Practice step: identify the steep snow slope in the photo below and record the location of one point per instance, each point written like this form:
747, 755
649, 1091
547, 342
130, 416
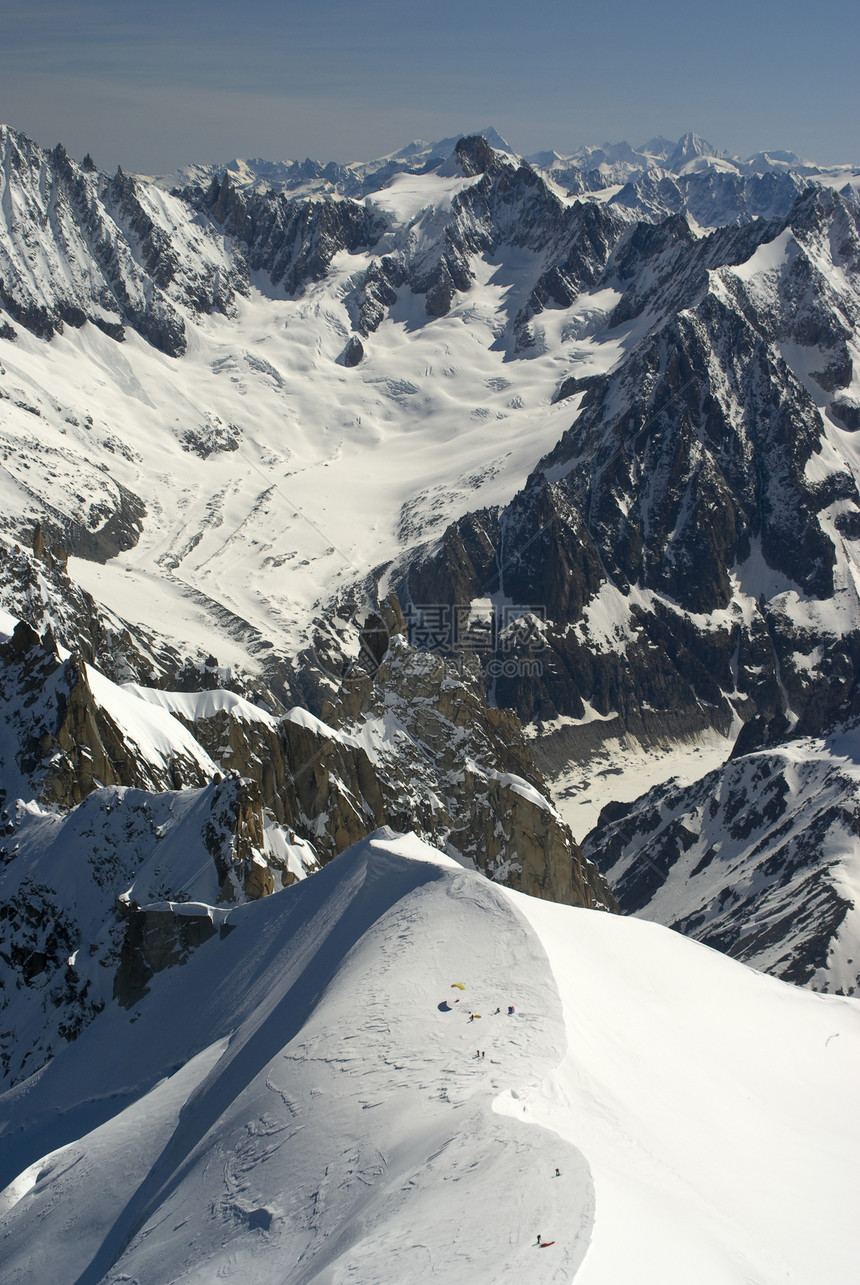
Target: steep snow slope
313, 1109
699, 1092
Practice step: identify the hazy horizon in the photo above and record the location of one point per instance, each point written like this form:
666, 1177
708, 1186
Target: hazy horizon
159, 86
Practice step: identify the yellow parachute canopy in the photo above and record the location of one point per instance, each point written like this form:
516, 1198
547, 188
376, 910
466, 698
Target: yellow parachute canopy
459, 985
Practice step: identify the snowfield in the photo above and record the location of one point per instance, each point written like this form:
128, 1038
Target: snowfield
304, 1102
314, 473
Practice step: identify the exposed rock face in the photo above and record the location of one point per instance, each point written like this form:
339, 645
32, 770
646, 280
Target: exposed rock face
413, 746
448, 767
353, 353
84, 209
756, 859
376, 293
235, 836
494, 806
129, 882
474, 155
157, 938
253, 749
293, 241
696, 465
61, 743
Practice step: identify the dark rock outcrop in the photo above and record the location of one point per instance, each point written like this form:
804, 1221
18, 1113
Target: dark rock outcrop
694, 458
140, 270
749, 860
293, 241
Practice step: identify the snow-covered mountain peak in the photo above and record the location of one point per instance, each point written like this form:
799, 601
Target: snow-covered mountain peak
328, 178
688, 148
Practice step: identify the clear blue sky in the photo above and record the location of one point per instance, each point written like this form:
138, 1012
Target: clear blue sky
151, 84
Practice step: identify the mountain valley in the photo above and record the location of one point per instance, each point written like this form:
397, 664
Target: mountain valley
453, 534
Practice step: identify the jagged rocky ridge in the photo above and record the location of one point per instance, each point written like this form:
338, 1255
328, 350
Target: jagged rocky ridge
112, 231
758, 859
145, 258
649, 182
294, 241
689, 540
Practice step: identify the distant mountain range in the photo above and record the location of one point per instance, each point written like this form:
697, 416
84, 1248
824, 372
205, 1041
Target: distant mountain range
589, 168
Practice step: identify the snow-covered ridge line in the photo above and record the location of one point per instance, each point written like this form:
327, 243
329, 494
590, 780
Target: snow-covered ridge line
329, 1032
599, 167
195, 706
147, 723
